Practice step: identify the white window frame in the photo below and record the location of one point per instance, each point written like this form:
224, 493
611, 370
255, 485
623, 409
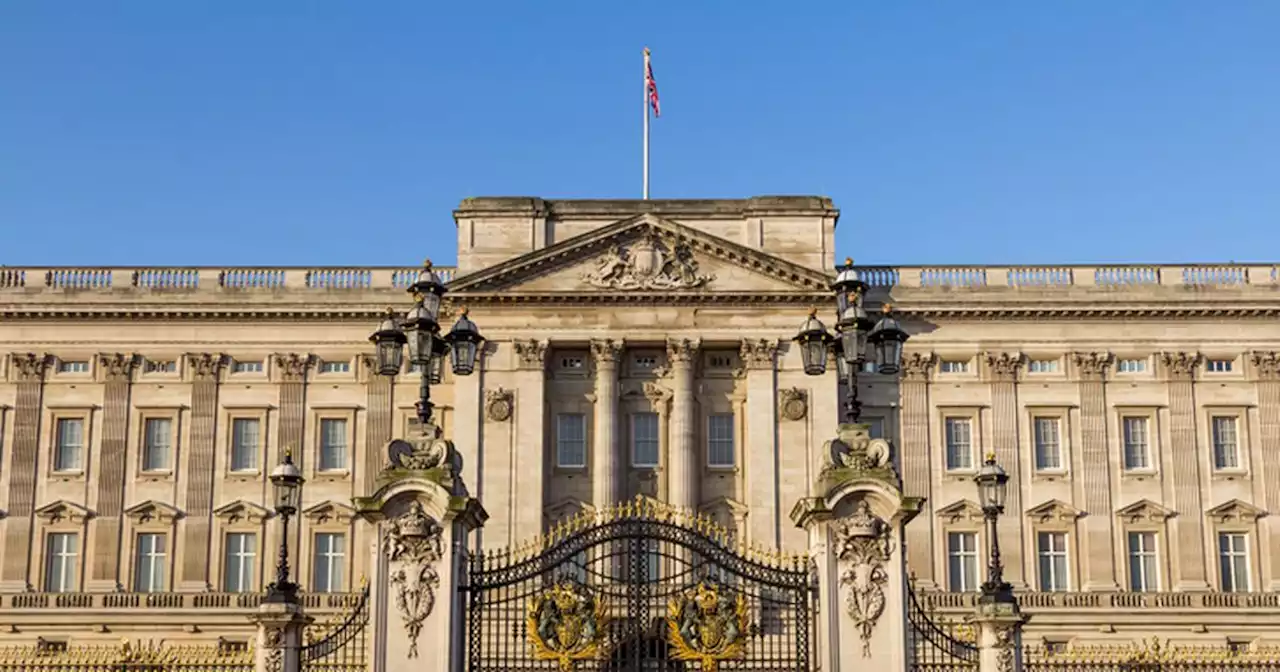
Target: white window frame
323, 458
953, 366
562, 441
1039, 445
1052, 582
148, 448
241, 577
970, 578
639, 422
1131, 365
1147, 557
1043, 366
717, 442
1238, 445
150, 562
334, 366
1219, 365
233, 444
1230, 581
950, 449
61, 566
1150, 433
246, 366
332, 562
73, 366
59, 463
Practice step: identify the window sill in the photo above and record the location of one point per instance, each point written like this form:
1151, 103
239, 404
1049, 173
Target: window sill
246, 475
333, 474
959, 474
1051, 475
156, 475
721, 470
1139, 474
570, 471
1229, 474
67, 474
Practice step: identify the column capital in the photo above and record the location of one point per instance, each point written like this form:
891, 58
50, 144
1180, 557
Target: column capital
1003, 367
918, 366
682, 350
760, 353
531, 354
605, 351
116, 367
1180, 366
27, 367
657, 395
1266, 364
292, 367
206, 366
1092, 366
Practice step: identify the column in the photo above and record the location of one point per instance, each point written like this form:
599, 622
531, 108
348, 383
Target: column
291, 376
1002, 373
116, 372
529, 416
1266, 366
1095, 473
27, 370
205, 371
684, 466
1188, 525
279, 637
914, 455
606, 469
760, 456
378, 427
999, 636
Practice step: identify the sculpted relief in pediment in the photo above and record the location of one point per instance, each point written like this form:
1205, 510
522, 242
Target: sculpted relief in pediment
647, 263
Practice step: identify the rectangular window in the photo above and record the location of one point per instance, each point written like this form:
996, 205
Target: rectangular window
239, 558
720, 452
644, 440
1143, 558
157, 444
571, 440
333, 444
1226, 445
719, 361
953, 366
653, 560
148, 563
1046, 433
69, 449
60, 552
959, 437
1131, 366
645, 362
572, 363
1218, 366
1052, 549
245, 433
335, 367
1043, 366
328, 562
1233, 556
160, 366
73, 367
962, 562
246, 367
1137, 448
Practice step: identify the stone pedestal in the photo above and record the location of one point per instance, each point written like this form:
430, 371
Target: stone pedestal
999, 636
855, 519
280, 629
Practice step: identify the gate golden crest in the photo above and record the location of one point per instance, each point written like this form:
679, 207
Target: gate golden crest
566, 624
708, 624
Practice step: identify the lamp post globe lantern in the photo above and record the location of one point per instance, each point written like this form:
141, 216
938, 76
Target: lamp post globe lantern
389, 341
852, 323
887, 338
464, 341
814, 341
439, 353
286, 489
429, 290
992, 483
420, 331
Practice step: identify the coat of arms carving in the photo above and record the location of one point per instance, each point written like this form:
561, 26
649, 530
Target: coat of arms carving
567, 624
648, 263
708, 624
413, 543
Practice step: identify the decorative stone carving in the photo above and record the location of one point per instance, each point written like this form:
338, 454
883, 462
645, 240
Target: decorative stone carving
605, 351
151, 511
682, 350
1144, 511
292, 367
918, 366
863, 543
498, 404
530, 354
1092, 365
1267, 364
242, 511
758, 354
1235, 511
1003, 366
657, 395
1180, 365
206, 366
648, 263
708, 624
1005, 641
329, 511
793, 403
274, 643
566, 624
28, 367
63, 511
1054, 510
414, 541
961, 511
427, 450
117, 367
855, 449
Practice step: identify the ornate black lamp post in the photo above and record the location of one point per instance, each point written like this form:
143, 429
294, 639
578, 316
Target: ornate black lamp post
286, 487
992, 482
420, 330
855, 331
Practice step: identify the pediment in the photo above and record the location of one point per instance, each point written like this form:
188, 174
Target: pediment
643, 256
963, 510
61, 511
1054, 510
1144, 511
1235, 511
565, 509
242, 511
329, 511
725, 512
152, 511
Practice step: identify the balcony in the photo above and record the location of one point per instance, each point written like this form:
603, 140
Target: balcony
1034, 602
16, 603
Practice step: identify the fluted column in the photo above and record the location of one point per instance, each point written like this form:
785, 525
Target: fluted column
606, 466
684, 472
290, 371
205, 371
1002, 372
378, 425
1266, 366
760, 457
529, 426
917, 476
27, 370
116, 372
1188, 537
1099, 568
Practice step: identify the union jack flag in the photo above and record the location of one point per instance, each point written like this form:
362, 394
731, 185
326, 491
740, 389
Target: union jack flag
651, 84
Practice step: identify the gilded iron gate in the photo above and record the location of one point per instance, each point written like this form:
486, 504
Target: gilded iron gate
339, 648
640, 587
936, 646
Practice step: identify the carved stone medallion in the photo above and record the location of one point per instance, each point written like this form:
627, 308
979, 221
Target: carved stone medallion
708, 624
413, 545
566, 624
793, 403
863, 545
426, 450
648, 263
498, 404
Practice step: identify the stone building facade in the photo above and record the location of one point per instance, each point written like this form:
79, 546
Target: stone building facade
642, 348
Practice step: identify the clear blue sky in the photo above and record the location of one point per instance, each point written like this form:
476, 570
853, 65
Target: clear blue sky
226, 132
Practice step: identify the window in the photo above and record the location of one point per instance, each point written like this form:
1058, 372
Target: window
720, 440
1143, 556
1048, 443
333, 444
68, 452
327, 562
157, 444
644, 440
1226, 447
1043, 366
73, 366
571, 440
962, 562
959, 437
245, 434
573, 362
60, 552
335, 367
1137, 451
148, 563
246, 367
717, 360
1052, 549
953, 366
1233, 556
1131, 366
1218, 366
653, 560
160, 366
239, 557
645, 362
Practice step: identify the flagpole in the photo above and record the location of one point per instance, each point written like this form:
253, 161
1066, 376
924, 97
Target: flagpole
645, 102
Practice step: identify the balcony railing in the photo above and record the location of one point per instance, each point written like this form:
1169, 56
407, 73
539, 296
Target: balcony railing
166, 601
1039, 601
159, 278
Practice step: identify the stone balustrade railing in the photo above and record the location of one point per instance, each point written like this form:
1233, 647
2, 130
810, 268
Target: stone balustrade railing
1043, 601
167, 601
386, 277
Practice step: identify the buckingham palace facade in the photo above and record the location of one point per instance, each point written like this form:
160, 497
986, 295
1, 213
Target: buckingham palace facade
642, 348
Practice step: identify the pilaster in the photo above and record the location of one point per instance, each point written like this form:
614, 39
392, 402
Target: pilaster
917, 478
279, 638
685, 467
291, 371
1095, 472
1002, 374
378, 427
606, 476
530, 418
116, 372
999, 636
205, 371
1266, 367
28, 371
1184, 460
760, 455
